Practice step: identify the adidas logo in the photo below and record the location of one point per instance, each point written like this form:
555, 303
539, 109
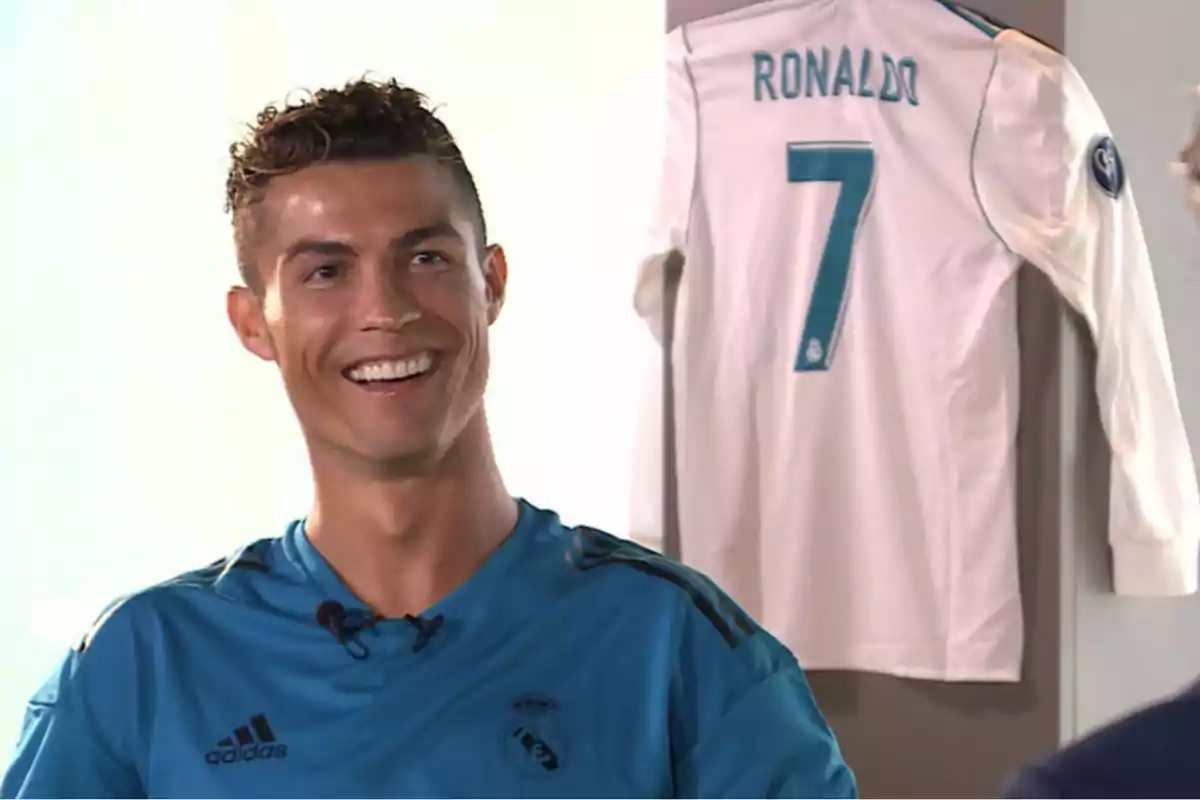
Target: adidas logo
248, 743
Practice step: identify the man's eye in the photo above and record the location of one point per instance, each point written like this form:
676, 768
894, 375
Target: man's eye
430, 258
325, 272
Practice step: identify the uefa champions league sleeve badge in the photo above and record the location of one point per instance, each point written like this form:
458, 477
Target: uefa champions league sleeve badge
1108, 171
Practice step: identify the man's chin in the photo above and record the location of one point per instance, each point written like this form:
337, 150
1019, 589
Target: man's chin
379, 445
402, 458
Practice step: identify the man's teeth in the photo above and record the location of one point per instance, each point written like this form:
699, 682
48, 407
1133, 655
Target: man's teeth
392, 370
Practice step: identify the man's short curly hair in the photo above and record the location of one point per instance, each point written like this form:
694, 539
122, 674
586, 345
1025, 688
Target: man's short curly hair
363, 120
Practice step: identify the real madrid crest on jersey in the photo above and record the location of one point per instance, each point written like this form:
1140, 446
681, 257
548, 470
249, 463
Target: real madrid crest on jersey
534, 741
1107, 169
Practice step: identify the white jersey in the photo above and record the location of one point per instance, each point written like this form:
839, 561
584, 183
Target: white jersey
854, 184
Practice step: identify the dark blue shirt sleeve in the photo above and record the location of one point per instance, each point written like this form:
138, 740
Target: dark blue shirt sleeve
744, 720
1032, 782
79, 726
1150, 752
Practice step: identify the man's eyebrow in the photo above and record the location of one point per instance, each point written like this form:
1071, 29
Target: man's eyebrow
438, 230
316, 247
331, 247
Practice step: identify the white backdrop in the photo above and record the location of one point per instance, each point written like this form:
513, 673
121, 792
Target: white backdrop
138, 440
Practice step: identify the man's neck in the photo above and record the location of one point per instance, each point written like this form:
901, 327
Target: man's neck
401, 545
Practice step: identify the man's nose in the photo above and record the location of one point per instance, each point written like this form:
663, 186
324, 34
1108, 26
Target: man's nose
385, 300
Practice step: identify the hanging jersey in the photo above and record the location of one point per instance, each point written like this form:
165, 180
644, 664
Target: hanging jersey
854, 184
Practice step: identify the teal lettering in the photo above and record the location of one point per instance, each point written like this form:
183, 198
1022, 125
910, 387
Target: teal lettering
764, 68
806, 72
864, 76
845, 73
891, 81
816, 71
908, 80
789, 80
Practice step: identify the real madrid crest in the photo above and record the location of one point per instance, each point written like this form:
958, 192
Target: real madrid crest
534, 740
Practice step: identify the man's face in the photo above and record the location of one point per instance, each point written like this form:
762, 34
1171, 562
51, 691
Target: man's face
374, 304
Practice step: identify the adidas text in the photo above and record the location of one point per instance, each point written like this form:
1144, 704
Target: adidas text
252, 752
253, 742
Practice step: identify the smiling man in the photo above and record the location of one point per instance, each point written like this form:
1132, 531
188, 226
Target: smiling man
420, 632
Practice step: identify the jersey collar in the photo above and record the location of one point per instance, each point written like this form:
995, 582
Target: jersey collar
462, 600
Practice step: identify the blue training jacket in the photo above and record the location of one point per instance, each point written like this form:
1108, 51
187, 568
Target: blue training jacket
572, 664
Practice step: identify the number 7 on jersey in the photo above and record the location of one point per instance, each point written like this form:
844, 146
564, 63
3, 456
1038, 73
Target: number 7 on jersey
852, 166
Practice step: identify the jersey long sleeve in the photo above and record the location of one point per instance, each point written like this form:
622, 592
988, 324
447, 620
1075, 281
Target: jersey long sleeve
667, 240
1051, 182
669, 228
80, 726
646, 490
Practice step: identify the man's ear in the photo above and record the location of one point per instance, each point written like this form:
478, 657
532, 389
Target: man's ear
495, 276
245, 312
